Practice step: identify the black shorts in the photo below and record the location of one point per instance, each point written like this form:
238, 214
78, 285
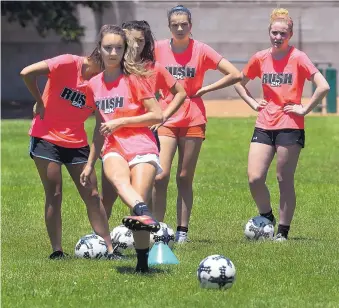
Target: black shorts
46, 150
282, 137
156, 136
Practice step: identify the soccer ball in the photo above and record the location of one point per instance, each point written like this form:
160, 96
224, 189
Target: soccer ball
91, 246
122, 238
216, 272
165, 235
259, 228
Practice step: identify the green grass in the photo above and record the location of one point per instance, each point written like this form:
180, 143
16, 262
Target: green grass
302, 272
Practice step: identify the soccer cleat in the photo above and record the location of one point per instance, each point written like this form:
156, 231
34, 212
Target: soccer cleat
116, 255
280, 238
58, 255
181, 237
141, 223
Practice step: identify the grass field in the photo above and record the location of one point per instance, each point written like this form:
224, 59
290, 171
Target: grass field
302, 272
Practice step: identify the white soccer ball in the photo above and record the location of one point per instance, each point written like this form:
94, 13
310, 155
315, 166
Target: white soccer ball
259, 228
122, 238
91, 246
216, 272
165, 235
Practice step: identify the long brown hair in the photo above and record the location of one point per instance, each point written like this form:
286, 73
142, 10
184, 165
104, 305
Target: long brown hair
141, 25
128, 63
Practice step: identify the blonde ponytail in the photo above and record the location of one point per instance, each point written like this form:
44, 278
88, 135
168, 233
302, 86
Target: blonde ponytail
282, 15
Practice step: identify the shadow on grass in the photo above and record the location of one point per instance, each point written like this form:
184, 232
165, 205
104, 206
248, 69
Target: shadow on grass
129, 270
303, 239
203, 241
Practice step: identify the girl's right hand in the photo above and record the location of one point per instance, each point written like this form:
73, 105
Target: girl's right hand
261, 105
39, 108
85, 176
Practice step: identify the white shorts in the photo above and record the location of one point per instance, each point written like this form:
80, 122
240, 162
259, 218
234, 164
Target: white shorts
146, 158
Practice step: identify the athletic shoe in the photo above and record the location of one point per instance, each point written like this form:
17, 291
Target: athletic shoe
280, 238
141, 223
58, 255
181, 237
116, 255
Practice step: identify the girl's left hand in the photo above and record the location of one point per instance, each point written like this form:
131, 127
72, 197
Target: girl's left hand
295, 108
109, 127
85, 176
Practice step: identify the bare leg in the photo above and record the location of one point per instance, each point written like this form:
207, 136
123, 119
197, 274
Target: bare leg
95, 210
117, 171
260, 157
142, 181
51, 178
189, 149
159, 195
287, 160
109, 194
133, 186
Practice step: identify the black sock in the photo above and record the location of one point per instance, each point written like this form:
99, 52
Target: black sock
269, 215
142, 257
182, 229
141, 209
283, 230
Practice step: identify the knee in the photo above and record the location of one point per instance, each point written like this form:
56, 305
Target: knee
255, 178
184, 180
91, 195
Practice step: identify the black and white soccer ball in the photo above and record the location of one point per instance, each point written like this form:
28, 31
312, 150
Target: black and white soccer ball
91, 246
216, 272
165, 235
259, 228
122, 238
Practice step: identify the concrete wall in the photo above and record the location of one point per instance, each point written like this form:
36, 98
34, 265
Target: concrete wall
236, 29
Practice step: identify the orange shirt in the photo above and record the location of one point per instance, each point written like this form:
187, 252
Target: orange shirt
282, 83
161, 80
122, 98
64, 99
189, 69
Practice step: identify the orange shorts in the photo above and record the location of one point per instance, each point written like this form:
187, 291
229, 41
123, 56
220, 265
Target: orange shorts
179, 132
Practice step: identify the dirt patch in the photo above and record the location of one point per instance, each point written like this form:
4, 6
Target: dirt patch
238, 108
228, 108
214, 108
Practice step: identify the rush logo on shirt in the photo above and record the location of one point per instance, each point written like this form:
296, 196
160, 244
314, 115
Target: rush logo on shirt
76, 98
181, 72
108, 105
276, 80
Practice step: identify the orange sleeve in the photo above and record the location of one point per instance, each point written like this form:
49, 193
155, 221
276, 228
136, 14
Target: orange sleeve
165, 80
60, 62
252, 68
306, 67
211, 58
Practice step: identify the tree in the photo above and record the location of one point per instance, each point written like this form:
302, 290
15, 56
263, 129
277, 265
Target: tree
59, 16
